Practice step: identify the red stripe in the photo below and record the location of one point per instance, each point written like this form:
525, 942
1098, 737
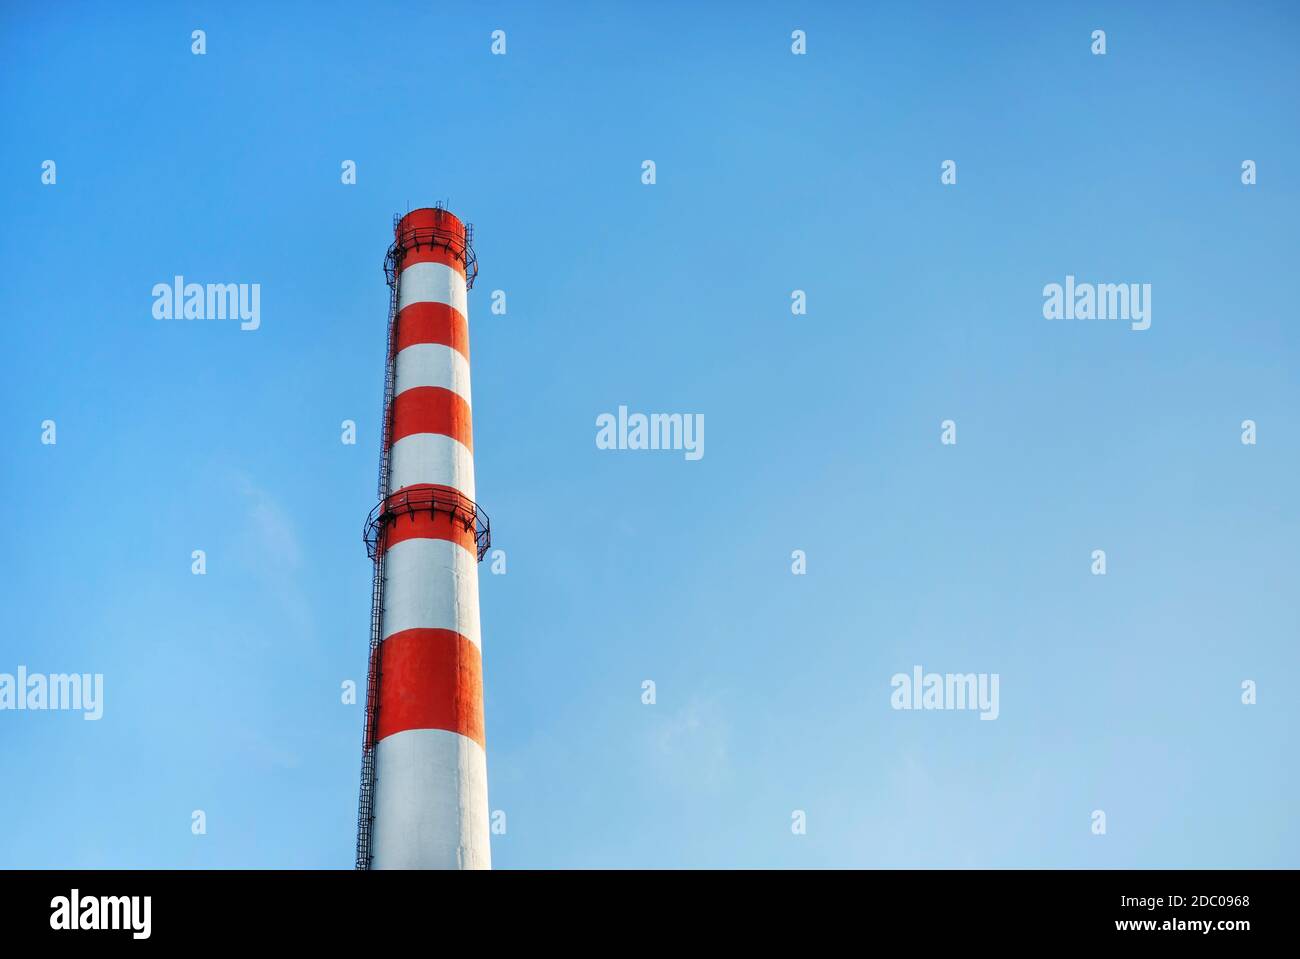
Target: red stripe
432, 323
432, 254
432, 409
427, 234
431, 679
431, 218
427, 524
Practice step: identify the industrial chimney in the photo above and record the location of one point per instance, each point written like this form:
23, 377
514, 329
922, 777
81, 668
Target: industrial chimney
424, 770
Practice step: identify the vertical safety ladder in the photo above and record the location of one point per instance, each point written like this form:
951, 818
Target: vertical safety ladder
366, 807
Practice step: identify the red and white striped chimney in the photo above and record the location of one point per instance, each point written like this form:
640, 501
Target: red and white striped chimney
424, 731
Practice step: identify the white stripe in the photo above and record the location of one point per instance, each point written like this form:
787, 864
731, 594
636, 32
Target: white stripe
432, 364
431, 584
432, 283
431, 458
431, 802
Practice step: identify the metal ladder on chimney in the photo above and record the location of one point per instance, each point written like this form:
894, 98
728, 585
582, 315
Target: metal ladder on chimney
366, 807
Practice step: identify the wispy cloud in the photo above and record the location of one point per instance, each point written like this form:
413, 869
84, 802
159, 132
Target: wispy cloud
275, 540
269, 547
690, 744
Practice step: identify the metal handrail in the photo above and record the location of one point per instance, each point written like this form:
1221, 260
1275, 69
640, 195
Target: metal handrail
462, 248
432, 498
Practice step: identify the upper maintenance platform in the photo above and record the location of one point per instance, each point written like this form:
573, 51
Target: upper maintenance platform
431, 234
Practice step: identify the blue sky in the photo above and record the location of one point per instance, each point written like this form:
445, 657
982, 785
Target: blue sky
775, 172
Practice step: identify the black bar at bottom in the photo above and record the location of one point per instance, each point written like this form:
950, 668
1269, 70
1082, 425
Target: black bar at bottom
975, 908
